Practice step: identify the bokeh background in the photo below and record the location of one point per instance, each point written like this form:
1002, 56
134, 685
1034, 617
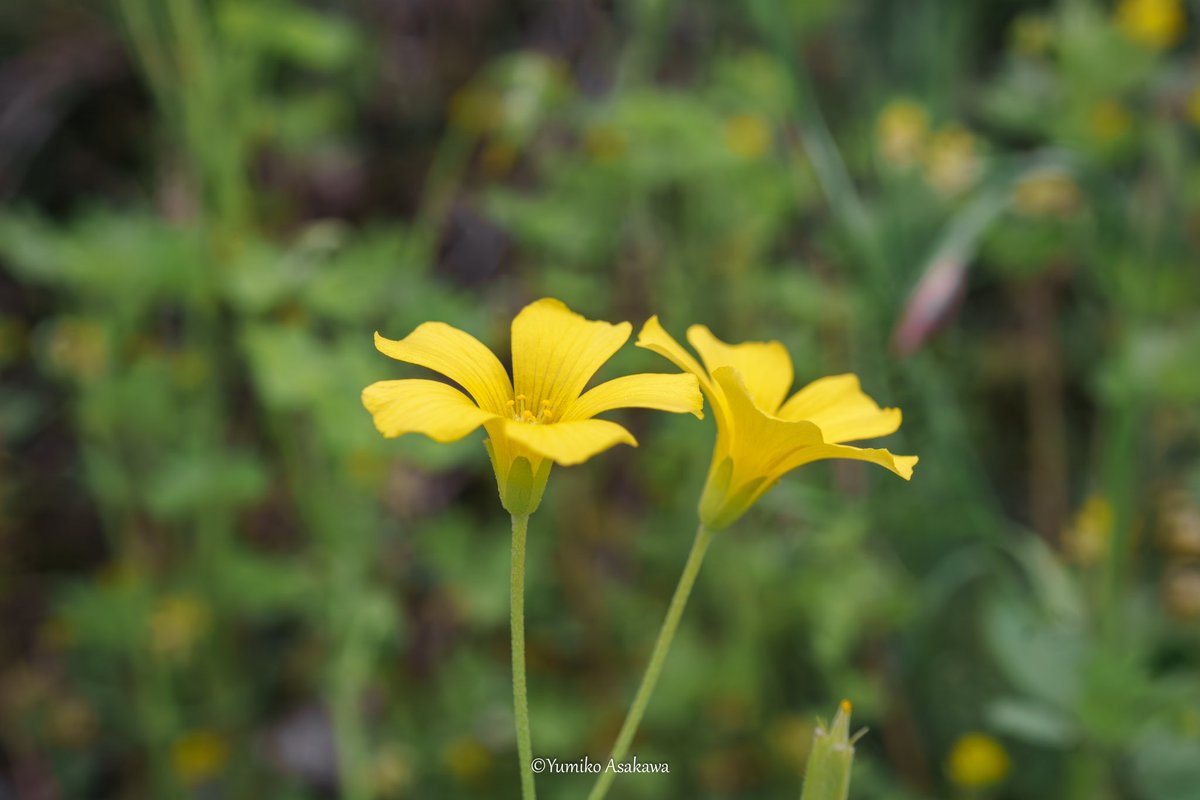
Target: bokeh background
216, 578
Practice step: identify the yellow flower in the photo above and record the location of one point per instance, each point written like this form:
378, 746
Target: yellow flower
1086, 540
177, 624
1157, 24
952, 163
468, 759
1049, 192
748, 136
977, 760
901, 133
199, 756
759, 436
539, 418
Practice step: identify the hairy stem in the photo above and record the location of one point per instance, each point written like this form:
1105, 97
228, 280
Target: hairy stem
657, 658
520, 524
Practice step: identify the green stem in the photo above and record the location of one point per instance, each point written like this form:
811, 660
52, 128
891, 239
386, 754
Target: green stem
350, 670
661, 647
520, 524
349, 738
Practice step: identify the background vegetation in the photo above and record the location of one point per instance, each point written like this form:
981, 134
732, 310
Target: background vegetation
215, 576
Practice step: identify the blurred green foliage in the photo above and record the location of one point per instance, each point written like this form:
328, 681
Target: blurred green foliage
218, 580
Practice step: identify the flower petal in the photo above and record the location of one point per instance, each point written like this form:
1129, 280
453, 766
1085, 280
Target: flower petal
678, 393
901, 465
653, 337
766, 367
435, 409
556, 352
459, 356
568, 443
760, 441
839, 407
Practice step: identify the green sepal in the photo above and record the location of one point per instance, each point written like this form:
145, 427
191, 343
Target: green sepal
521, 488
718, 508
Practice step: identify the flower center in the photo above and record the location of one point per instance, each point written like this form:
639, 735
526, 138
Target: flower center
521, 410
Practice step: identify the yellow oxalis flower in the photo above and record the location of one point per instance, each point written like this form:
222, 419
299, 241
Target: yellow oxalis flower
1086, 540
199, 756
952, 162
901, 132
976, 761
541, 417
1157, 24
748, 136
759, 435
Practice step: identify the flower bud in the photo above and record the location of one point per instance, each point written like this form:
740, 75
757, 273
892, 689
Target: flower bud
828, 774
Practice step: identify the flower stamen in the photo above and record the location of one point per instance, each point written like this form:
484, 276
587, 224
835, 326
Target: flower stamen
517, 408
521, 412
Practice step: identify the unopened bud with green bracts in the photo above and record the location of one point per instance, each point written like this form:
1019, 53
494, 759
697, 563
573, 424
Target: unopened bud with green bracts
827, 776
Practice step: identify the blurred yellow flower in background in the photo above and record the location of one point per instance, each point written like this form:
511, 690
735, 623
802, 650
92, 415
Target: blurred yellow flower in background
1181, 590
177, 624
1086, 540
1179, 538
952, 162
71, 721
1032, 35
541, 417
199, 756
392, 770
1193, 107
790, 740
1048, 192
760, 437
605, 143
748, 136
976, 761
121, 573
476, 110
467, 759
77, 347
1157, 24
1179, 524
901, 132
1109, 121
